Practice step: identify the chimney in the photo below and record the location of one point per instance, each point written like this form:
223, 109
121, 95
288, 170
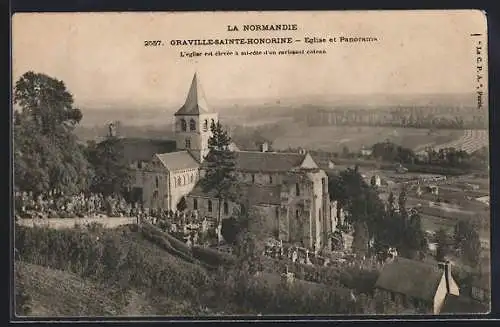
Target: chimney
112, 129
446, 267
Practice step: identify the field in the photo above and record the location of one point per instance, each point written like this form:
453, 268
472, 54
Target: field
334, 138
284, 132
471, 141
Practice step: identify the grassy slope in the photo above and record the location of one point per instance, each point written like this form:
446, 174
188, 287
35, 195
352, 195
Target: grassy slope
63, 293
60, 293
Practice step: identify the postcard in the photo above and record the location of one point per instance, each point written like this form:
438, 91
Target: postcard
200, 164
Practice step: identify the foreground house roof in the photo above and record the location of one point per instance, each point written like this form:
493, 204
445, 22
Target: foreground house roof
410, 277
462, 305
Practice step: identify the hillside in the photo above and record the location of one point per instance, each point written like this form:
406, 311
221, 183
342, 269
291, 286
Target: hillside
105, 272
60, 293
132, 271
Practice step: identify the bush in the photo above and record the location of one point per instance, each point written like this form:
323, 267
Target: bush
178, 245
111, 257
163, 241
259, 295
213, 257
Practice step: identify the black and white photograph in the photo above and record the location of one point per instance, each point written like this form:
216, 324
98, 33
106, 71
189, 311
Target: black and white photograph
213, 164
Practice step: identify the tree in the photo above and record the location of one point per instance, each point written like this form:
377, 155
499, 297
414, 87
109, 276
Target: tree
402, 206
112, 173
360, 239
47, 155
390, 203
182, 205
467, 240
337, 191
360, 200
230, 230
219, 178
416, 242
47, 103
386, 234
443, 245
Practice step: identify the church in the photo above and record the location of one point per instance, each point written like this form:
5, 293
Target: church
290, 189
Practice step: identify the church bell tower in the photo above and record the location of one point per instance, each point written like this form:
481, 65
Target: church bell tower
193, 121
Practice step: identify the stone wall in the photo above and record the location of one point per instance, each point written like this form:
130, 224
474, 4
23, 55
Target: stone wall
62, 223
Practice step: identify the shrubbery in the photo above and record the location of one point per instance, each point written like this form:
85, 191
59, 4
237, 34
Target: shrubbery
256, 294
110, 257
166, 242
359, 279
119, 258
213, 257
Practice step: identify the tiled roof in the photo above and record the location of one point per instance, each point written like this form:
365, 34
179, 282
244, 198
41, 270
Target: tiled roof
195, 101
178, 160
462, 305
141, 149
267, 161
322, 159
256, 194
410, 277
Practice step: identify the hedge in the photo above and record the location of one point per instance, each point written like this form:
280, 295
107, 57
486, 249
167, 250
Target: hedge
213, 257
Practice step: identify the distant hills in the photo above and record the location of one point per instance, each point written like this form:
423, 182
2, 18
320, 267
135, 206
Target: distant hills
159, 115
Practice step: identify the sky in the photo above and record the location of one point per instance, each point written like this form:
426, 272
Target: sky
102, 59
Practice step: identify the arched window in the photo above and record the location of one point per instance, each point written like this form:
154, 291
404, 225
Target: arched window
226, 208
157, 181
253, 178
195, 204
297, 189
205, 125
209, 205
179, 182
212, 123
184, 179
191, 178
192, 125
270, 179
183, 125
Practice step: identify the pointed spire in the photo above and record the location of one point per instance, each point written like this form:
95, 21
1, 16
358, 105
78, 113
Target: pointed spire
195, 101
